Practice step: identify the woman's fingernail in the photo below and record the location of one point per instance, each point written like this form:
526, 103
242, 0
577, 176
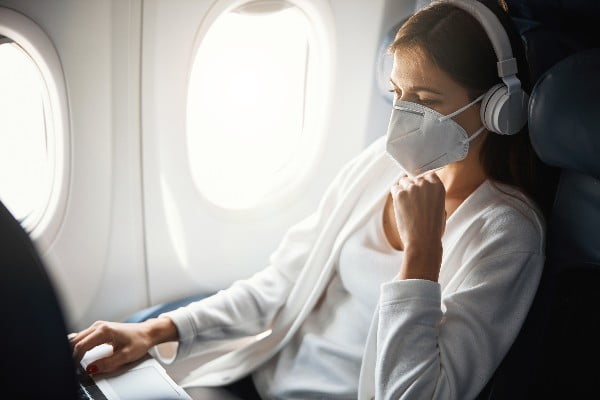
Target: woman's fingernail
91, 369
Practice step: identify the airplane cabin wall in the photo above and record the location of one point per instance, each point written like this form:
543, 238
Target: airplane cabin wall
136, 231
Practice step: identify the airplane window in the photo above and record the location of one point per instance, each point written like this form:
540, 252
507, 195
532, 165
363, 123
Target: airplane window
25, 173
246, 111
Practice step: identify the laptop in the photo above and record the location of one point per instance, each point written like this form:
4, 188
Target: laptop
145, 379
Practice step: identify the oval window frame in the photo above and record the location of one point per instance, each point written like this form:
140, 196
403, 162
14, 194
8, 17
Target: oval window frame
24, 32
319, 91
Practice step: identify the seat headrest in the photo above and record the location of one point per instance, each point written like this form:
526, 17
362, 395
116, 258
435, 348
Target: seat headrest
563, 114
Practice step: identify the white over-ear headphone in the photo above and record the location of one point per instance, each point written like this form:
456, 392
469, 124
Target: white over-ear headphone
504, 106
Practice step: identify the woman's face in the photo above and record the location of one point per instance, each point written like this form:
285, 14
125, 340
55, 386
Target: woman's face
417, 79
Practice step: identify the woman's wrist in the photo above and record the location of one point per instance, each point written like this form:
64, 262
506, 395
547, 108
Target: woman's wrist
160, 330
421, 261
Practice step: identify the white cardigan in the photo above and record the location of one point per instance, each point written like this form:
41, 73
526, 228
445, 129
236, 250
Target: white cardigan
438, 340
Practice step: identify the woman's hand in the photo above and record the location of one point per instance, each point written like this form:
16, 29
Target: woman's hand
419, 207
130, 341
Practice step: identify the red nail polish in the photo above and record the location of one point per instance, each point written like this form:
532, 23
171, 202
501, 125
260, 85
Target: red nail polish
91, 369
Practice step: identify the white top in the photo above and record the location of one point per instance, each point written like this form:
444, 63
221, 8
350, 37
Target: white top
323, 358
438, 340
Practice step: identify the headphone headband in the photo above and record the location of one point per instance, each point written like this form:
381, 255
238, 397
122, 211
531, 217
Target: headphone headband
507, 64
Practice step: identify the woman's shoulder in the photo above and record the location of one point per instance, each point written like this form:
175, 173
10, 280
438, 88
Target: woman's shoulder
511, 200
507, 214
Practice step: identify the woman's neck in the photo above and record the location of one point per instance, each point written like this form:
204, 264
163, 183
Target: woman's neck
461, 179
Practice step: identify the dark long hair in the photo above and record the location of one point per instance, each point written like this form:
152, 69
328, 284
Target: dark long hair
457, 43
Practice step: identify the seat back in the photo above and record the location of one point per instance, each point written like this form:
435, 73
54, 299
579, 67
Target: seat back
35, 360
559, 338
566, 133
552, 31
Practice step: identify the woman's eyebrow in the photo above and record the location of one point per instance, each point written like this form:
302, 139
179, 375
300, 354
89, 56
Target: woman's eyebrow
419, 88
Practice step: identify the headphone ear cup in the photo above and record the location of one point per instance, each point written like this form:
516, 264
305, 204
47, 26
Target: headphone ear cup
503, 113
491, 102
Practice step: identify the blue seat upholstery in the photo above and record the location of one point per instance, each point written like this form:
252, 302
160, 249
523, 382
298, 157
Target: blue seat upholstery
557, 349
36, 360
538, 364
566, 134
155, 311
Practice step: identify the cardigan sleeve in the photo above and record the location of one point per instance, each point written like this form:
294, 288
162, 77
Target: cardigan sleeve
248, 306
425, 352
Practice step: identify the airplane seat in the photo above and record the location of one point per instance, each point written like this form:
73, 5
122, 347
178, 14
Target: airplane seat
557, 350
565, 133
36, 357
551, 32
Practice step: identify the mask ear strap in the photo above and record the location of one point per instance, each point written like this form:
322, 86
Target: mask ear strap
455, 113
477, 133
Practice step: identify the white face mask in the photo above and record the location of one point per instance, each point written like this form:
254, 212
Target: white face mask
421, 139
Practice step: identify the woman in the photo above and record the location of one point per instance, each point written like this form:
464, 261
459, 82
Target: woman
416, 291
